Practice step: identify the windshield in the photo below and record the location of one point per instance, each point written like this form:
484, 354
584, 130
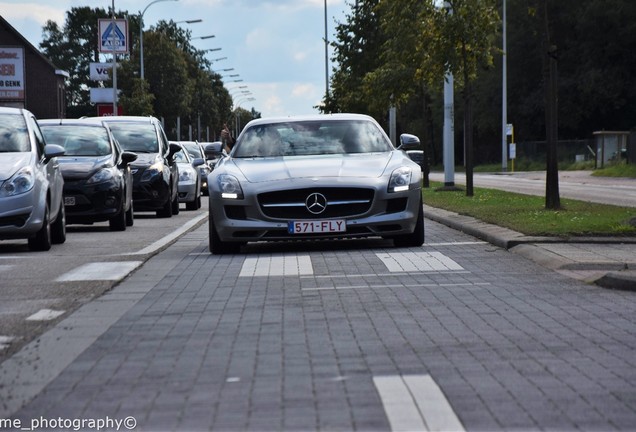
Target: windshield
181, 157
193, 149
78, 140
14, 136
312, 138
136, 137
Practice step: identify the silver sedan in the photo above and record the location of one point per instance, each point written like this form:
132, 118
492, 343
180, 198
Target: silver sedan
315, 177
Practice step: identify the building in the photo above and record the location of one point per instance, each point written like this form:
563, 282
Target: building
27, 78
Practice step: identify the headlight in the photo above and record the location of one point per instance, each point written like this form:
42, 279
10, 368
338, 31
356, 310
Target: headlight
21, 182
102, 176
230, 187
400, 180
152, 171
187, 175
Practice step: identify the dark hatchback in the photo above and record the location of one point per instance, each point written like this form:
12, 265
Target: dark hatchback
155, 172
97, 175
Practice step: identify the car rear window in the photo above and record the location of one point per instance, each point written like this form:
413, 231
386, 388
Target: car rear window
14, 136
136, 137
78, 140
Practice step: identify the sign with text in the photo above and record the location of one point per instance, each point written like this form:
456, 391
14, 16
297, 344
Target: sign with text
12, 73
113, 36
100, 71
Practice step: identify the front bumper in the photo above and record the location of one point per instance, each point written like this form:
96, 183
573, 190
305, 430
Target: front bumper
21, 216
388, 215
88, 204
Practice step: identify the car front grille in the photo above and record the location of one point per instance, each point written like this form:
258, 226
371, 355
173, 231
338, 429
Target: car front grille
331, 203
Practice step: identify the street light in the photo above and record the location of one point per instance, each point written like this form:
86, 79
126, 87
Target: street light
204, 37
219, 59
189, 21
223, 70
212, 49
141, 36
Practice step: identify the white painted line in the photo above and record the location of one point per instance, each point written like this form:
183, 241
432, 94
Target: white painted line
416, 403
277, 265
399, 407
437, 412
170, 237
45, 315
100, 271
417, 262
5, 267
430, 285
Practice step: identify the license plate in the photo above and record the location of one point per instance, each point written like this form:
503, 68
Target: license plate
317, 226
69, 200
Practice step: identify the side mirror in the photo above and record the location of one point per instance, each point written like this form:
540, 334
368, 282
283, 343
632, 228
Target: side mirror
128, 157
174, 148
213, 150
198, 162
409, 142
53, 150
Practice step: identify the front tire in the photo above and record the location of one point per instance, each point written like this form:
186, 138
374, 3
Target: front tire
118, 223
415, 239
58, 229
166, 210
130, 216
41, 241
218, 246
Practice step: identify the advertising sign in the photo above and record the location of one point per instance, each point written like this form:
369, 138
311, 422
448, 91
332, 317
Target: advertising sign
12, 73
100, 71
113, 37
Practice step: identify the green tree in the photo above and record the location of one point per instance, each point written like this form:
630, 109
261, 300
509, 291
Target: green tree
73, 48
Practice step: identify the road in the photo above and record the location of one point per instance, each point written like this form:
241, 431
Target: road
350, 335
580, 185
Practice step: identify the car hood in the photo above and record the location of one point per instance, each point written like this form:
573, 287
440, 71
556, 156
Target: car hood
81, 166
370, 165
11, 162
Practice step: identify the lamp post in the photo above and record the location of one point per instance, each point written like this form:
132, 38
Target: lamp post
141, 36
204, 37
189, 21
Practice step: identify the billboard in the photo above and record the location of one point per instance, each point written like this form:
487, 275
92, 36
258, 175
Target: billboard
12, 73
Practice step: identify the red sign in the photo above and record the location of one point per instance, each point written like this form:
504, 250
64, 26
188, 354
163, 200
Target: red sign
107, 110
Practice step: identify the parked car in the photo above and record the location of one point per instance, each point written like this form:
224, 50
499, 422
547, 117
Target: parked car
155, 172
213, 158
31, 182
189, 183
195, 149
98, 183
315, 177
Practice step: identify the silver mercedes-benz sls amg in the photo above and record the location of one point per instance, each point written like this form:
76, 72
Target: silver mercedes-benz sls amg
315, 177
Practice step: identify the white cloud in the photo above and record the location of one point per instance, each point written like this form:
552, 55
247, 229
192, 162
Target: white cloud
33, 11
304, 90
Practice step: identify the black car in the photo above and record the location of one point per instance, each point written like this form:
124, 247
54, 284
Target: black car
98, 181
155, 172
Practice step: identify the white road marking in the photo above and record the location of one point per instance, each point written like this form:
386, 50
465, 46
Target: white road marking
415, 403
277, 265
45, 315
170, 237
5, 267
418, 262
100, 271
349, 287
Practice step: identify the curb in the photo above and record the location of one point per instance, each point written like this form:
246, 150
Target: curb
618, 276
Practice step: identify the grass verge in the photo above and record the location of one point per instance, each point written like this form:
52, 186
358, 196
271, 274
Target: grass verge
527, 213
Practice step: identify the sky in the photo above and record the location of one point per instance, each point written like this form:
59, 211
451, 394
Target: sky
276, 46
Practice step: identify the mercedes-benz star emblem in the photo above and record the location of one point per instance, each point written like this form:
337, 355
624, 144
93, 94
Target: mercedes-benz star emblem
316, 203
